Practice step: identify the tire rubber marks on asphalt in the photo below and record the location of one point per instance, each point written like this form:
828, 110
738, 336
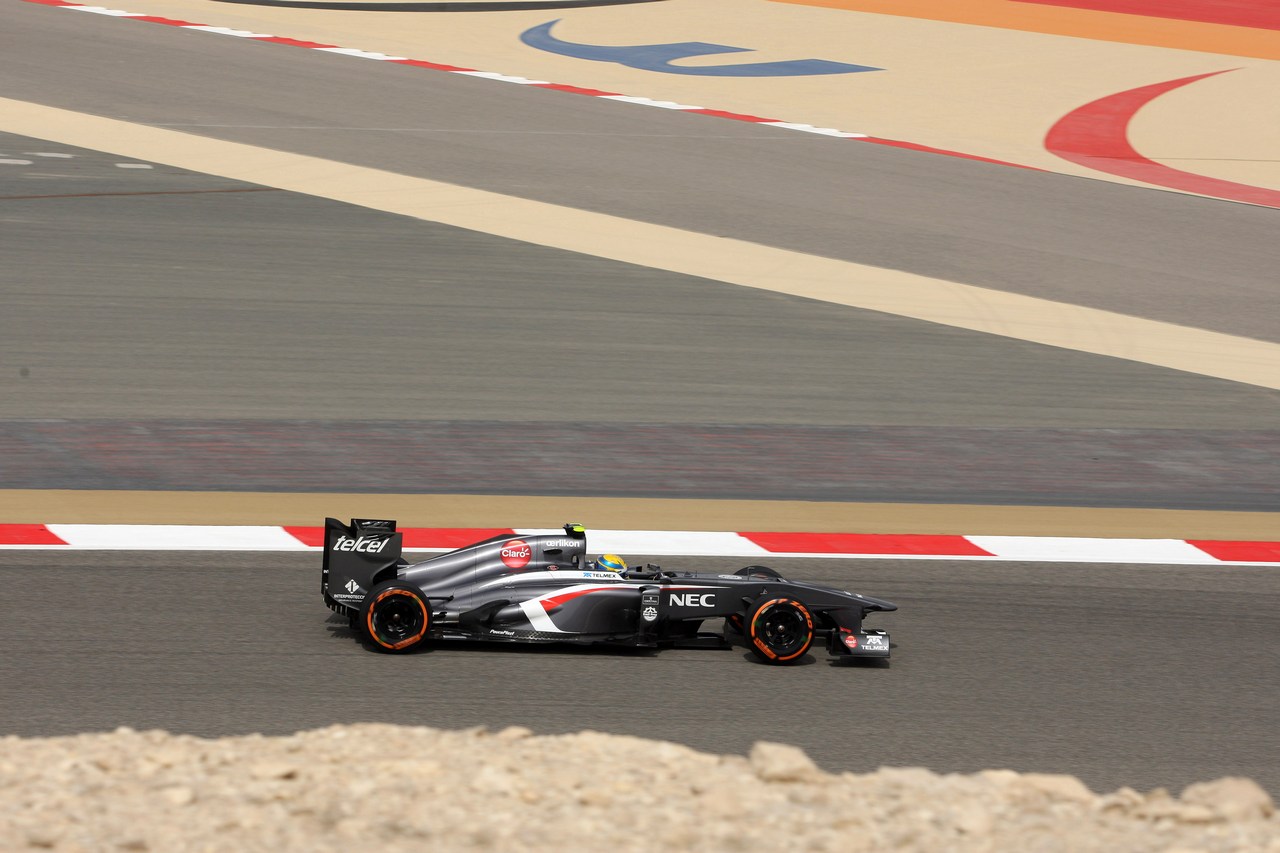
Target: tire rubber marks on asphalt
659, 57
21, 161
1096, 136
1008, 315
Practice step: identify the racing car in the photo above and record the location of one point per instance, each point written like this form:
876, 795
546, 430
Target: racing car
543, 589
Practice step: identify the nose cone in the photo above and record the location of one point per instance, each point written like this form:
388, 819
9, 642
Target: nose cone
878, 604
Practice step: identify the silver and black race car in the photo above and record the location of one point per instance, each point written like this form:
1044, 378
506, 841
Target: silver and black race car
543, 589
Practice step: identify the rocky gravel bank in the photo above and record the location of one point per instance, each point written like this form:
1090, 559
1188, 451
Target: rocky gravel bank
392, 788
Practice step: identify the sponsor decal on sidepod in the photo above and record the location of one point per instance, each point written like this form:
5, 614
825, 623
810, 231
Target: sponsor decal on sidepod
516, 553
693, 599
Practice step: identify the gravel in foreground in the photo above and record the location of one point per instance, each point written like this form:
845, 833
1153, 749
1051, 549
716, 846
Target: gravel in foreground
394, 788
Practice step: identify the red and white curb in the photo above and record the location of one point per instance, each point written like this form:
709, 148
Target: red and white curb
507, 78
1038, 549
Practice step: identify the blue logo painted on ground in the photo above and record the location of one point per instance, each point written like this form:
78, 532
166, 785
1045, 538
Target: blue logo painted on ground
658, 57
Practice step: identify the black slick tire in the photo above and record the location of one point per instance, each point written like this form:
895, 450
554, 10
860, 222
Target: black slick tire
394, 617
780, 629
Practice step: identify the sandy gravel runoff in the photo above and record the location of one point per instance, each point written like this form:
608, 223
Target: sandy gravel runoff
394, 788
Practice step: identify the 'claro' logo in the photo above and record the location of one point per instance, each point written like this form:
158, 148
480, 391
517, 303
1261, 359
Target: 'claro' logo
516, 553
364, 544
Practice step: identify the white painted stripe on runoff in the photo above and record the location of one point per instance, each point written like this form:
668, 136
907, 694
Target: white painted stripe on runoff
227, 31
175, 537
103, 10
808, 128
1081, 550
650, 102
502, 78
359, 54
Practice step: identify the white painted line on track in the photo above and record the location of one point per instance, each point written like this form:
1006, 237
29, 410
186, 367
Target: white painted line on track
227, 31
103, 10
650, 102
502, 78
808, 128
361, 54
128, 537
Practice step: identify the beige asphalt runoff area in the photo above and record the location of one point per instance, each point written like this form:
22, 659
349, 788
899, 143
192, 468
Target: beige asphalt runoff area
979, 90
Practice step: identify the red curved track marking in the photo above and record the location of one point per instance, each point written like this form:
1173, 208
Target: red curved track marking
1096, 136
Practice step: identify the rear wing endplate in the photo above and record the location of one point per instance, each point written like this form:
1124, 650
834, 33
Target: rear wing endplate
355, 555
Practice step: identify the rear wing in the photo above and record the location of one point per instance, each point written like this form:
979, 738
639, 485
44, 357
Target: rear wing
355, 555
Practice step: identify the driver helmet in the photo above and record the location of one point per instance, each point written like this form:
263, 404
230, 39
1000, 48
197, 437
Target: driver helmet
611, 563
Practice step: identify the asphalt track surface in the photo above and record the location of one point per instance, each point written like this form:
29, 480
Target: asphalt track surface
246, 338
1125, 675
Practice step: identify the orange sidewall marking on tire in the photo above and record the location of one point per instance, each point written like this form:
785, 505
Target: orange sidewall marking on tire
808, 622
426, 620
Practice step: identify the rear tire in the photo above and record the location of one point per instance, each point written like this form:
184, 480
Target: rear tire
780, 629
394, 617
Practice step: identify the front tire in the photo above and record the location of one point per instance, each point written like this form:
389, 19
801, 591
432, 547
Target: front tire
758, 572
780, 630
394, 617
